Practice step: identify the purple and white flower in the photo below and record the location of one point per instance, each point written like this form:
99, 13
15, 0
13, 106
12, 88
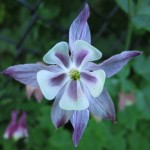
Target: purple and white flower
72, 79
72, 76
16, 129
12, 126
125, 100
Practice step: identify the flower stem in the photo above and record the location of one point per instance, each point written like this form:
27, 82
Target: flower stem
130, 27
129, 36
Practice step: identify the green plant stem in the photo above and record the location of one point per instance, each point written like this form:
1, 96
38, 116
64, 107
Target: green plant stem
129, 35
138, 5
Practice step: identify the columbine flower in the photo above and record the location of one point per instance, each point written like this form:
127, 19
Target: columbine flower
12, 126
16, 129
125, 100
72, 79
21, 130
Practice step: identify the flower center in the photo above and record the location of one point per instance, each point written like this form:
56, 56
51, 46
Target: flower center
74, 74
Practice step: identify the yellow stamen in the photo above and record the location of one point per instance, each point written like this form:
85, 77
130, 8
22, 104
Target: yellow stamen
74, 74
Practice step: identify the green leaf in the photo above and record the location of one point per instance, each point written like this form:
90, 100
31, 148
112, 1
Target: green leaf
61, 140
141, 22
140, 12
116, 142
113, 86
100, 134
124, 72
138, 142
127, 85
143, 101
49, 13
123, 4
141, 19
129, 117
141, 67
143, 7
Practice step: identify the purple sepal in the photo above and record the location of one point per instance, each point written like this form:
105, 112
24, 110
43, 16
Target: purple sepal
27, 73
60, 116
114, 64
79, 29
79, 121
102, 107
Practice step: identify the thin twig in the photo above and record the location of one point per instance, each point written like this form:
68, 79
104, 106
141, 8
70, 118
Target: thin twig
25, 4
28, 28
105, 24
13, 42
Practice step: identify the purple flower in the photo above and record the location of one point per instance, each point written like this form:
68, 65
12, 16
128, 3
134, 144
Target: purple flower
9, 132
72, 76
126, 100
16, 129
76, 83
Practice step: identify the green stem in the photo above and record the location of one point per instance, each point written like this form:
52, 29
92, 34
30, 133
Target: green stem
129, 35
138, 5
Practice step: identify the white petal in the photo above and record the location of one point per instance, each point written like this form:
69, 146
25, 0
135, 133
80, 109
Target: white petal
59, 55
73, 97
50, 83
85, 52
94, 81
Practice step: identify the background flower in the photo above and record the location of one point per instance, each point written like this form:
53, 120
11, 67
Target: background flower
16, 129
36, 92
125, 100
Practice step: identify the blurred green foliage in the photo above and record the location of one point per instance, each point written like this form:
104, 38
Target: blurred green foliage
132, 128
139, 11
